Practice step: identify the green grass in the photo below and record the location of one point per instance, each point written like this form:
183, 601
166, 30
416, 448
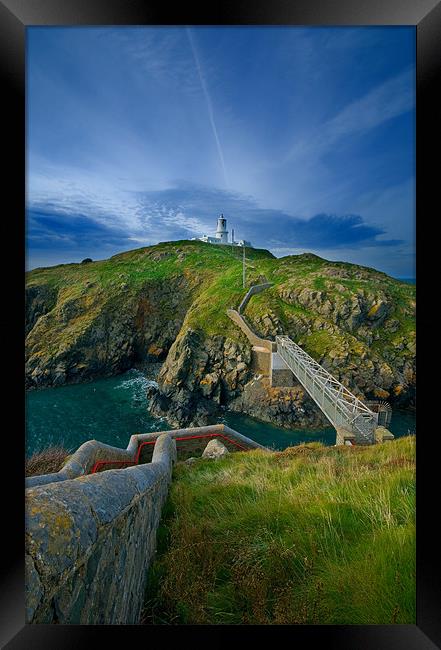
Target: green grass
320, 284
320, 343
312, 535
209, 279
209, 311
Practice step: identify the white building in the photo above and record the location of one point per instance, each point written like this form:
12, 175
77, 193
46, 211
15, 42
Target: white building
221, 236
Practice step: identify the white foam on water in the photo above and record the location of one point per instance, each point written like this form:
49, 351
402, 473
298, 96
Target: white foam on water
137, 383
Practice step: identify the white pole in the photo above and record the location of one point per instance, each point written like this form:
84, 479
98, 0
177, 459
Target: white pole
243, 267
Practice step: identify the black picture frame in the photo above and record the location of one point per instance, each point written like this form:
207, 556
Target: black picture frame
15, 16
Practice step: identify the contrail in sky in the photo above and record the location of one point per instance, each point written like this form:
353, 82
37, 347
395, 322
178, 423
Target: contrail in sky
209, 105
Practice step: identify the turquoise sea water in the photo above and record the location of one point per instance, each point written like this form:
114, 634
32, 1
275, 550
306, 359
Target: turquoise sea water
111, 410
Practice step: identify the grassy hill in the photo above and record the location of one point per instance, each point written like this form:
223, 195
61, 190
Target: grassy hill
311, 535
208, 271
169, 302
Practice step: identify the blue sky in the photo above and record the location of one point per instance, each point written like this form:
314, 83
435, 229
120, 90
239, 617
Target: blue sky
302, 137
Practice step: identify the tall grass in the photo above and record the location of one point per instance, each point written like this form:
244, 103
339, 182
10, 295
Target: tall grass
46, 461
311, 535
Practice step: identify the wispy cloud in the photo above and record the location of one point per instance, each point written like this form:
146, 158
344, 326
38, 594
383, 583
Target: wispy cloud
281, 129
156, 54
186, 211
384, 102
208, 103
389, 99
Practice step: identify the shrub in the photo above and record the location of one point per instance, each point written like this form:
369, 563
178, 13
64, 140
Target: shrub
46, 461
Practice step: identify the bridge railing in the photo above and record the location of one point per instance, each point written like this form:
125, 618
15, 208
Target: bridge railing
341, 407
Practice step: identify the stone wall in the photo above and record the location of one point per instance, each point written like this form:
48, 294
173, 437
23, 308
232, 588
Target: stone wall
271, 346
257, 288
91, 539
344, 437
84, 458
383, 435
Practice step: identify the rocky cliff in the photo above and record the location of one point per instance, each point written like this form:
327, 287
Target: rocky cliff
168, 302
199, 375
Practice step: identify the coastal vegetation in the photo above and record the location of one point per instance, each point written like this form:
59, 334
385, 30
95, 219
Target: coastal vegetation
46, 461
169, 302
310, 535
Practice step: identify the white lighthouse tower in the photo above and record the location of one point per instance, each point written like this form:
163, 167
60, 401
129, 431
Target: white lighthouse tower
222, 232
221, 236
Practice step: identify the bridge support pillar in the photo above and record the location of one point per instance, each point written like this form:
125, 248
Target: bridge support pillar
343, 436
280, 373
261, 360
382, 434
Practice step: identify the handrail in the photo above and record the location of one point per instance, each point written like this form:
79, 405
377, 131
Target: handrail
343, 408
84, 458
135, 461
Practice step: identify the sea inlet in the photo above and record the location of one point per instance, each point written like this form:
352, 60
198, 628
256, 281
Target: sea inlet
111, 410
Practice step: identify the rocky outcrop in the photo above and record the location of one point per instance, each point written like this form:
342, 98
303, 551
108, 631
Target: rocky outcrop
40, 299
202, 374
346, 310
287, 407
194, 382
355, 334
89, 335
199, 375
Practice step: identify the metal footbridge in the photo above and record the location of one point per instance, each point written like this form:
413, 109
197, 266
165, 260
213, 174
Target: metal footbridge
340, 406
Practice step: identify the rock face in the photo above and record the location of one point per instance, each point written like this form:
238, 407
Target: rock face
169, 303
39, 301
289, 407
91, 334
361, 332
199, 375
215, 449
